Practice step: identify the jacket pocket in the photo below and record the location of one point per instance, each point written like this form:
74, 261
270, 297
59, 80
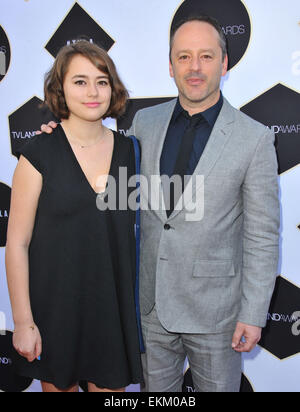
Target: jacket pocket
213, 268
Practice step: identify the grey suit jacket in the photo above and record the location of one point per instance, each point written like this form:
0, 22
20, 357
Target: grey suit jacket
206, 275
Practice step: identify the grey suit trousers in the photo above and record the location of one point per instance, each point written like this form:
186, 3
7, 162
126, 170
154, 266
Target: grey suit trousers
214, 365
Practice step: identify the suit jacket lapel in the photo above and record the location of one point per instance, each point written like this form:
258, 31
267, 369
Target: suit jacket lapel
217, 140
160, 127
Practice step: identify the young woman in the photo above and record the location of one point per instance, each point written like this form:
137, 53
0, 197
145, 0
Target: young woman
70, 266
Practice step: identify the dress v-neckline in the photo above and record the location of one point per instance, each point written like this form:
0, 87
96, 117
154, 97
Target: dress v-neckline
78, 164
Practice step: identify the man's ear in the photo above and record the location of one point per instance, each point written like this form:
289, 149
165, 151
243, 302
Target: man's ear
225, 65
171, 69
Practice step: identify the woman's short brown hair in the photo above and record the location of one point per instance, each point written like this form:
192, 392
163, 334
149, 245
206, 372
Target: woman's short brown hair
54, 79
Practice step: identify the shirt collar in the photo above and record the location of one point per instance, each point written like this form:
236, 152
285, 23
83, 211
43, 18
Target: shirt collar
210, 115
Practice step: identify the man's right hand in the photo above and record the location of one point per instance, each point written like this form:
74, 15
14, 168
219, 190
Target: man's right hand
47, 128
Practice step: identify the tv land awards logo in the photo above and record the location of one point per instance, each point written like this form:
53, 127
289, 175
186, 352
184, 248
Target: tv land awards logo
5, 194
24, 122
281, 337
278, 108
4, 54
9, 380
232, 16
78, 24
293, 319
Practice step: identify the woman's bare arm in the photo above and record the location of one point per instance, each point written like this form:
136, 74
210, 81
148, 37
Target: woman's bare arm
26, 189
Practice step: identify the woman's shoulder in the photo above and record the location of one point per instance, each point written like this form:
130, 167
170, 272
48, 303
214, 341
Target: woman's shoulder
40, 148
125, 140
43, 139
47, 138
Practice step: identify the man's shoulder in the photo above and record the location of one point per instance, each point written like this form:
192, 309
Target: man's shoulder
247, 122
158, 108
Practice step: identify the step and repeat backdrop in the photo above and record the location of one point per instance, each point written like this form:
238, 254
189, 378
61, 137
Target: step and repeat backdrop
263, 81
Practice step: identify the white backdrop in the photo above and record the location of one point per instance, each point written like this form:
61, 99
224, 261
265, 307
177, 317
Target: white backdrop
140, 29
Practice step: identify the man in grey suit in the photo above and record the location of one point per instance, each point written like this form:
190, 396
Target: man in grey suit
206, 284
206, 279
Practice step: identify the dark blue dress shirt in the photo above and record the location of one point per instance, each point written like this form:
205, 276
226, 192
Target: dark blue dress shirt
178, 124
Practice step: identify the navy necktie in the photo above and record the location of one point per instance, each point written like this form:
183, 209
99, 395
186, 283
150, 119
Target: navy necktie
184, 155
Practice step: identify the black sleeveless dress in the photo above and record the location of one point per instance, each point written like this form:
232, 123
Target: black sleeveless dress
82, 271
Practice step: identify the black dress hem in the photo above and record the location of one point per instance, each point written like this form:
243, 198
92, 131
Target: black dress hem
60, 386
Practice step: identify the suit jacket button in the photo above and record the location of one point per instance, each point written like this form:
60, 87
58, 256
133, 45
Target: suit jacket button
167, 226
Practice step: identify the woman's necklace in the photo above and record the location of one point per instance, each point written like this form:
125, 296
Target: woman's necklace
76, 142
87, 146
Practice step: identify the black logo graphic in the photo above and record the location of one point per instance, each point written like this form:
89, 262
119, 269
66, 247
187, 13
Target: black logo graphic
9, 380
5, 193
25, 121
232, 16
78, 23
278, 108
246, 385
134, 105
4, 54
281, 337
188, 385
